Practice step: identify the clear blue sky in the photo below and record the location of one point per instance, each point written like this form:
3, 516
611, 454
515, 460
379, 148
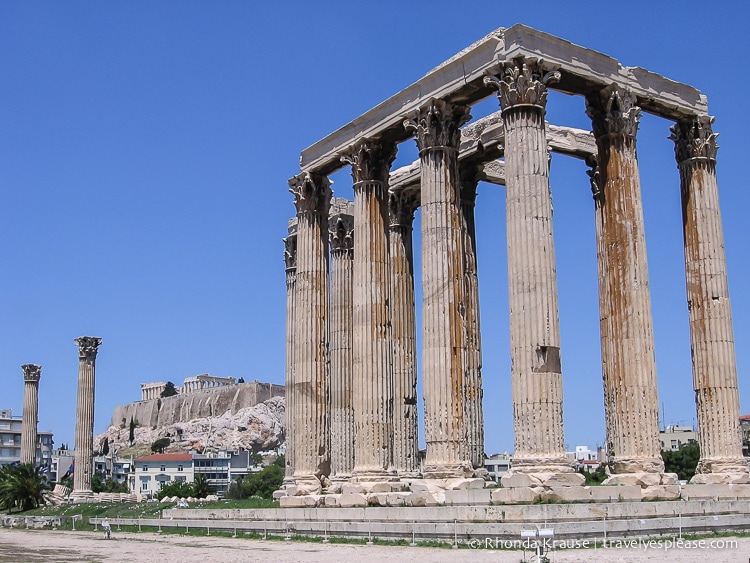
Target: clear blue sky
145, 150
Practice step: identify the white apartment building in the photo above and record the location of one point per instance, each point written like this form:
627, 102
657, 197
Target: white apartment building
152, 472
673, 437
10, 441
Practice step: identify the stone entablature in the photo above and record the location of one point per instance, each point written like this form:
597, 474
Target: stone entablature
519, 64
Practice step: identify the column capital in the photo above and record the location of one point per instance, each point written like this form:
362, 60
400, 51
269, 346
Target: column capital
312, 193
290, 252
613, 111
436, 124
370, 161
87, 346
694, 139
341, 234
522, 82
31, 372
401, 207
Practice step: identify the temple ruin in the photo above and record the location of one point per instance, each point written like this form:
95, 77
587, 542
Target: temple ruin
351, 354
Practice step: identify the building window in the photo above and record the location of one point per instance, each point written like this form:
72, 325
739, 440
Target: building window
144, 486
179, 468
163, 468
145, 468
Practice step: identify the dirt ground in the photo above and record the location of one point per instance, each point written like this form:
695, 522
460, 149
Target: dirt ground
21, 546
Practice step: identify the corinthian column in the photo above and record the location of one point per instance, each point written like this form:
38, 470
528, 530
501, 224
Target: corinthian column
31, 375
628, 364
312, 454
405, 416
290, 261
342, 414
536, 373
373, 370
469, 176
443, 288
84, 464
711, 334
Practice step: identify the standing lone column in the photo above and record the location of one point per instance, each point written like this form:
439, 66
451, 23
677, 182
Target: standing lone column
290, 261
469, 176
436, 126
403, 313
312, 452
628, 363
31, 375
373, 370
711, 334
536, 372
342, 413
87, 349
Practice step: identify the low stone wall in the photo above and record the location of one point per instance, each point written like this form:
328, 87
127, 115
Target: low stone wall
35, 522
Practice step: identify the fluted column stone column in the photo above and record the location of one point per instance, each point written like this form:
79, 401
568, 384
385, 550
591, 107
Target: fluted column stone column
628, 362
473, 393
711, 334
371, 353
436, 126
310, 387
290, 261
341, 235
403, 313
31, 375
84, 445
536, 371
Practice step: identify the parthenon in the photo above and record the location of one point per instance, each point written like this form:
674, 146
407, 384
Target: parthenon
351, 372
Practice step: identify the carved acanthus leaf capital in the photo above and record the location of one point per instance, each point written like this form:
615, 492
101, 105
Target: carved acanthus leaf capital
370, 161
31, 372
290, 252
436, 124
341, 233
613, 112
312, 193
87, 346
593, 174
522, 82
694, 139
401, 207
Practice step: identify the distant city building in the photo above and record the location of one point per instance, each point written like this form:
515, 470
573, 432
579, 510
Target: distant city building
584, 457
673, 437
497, 465
745, 427
10, 441
190, 384
152, 472
62, 465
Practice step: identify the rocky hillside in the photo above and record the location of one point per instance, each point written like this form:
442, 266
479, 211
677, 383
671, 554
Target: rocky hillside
258, 428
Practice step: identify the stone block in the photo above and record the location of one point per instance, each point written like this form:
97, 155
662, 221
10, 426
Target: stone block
279, 494
567, 494
292, 502
605, 493
383, 487
514, 495
399, 498
517, 479
331, 500
425, 486
377, 499
571, 479
352, 489
426, 498
660, 492
348, 500
708, 492
467, 497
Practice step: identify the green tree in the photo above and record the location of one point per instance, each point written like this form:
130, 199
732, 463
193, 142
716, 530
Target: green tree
100, 484
280, 461
131, 437
201, 488
257, 458
235, 489
594, 477
263, 483
159, 445
169, 390
179, 489
105, 447
22, 487
683, 461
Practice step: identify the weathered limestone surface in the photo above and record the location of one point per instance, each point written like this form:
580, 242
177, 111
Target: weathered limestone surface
404, 334
341, 234
443, 287
84, 435
711, 334
198, 404
290, 261
31, 375
628, 363
372, 355
312, 456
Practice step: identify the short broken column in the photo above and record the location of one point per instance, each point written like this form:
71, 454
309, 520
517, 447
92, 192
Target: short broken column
711, 333
436, 126
310, 386
404, 335
290, 261
372, 360
341, 234
29, 420
84, 445
628, 362
536, 371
